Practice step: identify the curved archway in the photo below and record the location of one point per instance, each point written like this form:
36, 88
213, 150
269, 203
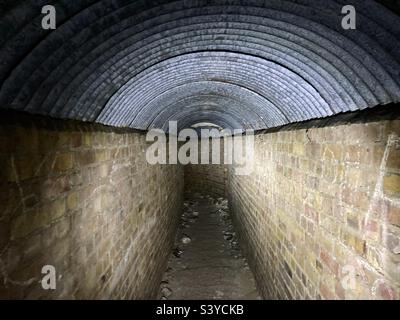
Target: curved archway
103, 53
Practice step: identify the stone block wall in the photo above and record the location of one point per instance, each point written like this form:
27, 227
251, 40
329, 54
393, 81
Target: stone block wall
320, 214
82, 198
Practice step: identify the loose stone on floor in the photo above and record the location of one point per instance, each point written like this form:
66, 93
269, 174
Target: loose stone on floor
206, 262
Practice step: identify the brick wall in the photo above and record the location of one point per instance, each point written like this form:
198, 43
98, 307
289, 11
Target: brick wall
320, 214
207, 178
82, 198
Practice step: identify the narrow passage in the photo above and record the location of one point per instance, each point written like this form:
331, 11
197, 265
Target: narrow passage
206, 262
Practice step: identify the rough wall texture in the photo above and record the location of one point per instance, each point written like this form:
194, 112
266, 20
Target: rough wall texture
83, 199
207, 178
320, 214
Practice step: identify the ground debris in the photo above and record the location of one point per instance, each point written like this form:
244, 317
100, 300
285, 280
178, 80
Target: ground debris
177, 252
202, 273
186, 239
166, 292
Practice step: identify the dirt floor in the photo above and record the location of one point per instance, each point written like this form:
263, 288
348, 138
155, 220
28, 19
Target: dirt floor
206, 262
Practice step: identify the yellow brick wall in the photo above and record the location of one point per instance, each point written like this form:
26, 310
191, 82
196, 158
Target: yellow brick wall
82, 198
321, 205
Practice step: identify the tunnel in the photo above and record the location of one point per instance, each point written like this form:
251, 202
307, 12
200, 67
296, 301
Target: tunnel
313, 84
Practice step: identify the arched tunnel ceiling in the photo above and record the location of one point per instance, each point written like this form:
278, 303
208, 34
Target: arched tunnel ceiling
238, 64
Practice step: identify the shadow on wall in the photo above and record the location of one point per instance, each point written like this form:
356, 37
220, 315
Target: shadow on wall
82, 199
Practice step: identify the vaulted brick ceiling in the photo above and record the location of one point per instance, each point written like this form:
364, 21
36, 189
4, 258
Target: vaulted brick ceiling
243, 64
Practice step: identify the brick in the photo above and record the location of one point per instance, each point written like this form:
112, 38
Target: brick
26, 140
392, 269
392, 128
357, 199
76, 139
72, 201
339, 291
313, 150
393, 160
21, 168
386, 291
101, 155
32, 247
365, 133
374, 257
53, 187
87, 139
377, 156
27, 223
85, 158
393, 215
326, 292
48, 141
57, 208
57, 231
64, 162
332, 152
392, 241
353, 220
298, 149
391, 185
354, 241
352, 154
329, 262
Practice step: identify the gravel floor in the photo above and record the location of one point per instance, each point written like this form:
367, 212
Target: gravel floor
206, 262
